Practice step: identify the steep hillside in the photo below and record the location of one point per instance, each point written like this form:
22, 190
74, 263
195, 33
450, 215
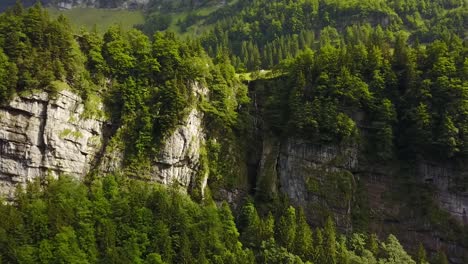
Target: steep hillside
124, 148
68, 4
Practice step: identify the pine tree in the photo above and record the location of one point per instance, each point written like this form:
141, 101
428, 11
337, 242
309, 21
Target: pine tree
330, 241
303, 243
421, 257
250, 225
441, 258
286, 229
268, 227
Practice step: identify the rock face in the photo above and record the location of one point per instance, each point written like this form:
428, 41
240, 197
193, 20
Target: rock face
443, 177
42, 136
361, 192
318, 178
323, 179
300, 159
179, 159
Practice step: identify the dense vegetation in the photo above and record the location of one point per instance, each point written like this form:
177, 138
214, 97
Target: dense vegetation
261, 33
400, 74
145, 83
35, 52
413, 97
116, 220
402, 63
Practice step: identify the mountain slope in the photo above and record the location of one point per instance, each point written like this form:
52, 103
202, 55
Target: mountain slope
366, 130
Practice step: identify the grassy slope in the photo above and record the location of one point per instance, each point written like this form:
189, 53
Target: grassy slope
195, 29
102, 18
199, 27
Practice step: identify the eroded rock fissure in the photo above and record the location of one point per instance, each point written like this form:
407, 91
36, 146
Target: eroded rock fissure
41, 133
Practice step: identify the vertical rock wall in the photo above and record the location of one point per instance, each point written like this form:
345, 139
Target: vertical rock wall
318, 178
42, 136
443, 177
178, 159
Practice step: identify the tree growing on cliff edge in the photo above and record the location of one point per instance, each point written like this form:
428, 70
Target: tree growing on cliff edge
421, 257
8, 78
394, 253
441, 258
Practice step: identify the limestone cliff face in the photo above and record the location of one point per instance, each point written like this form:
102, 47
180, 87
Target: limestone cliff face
40, 136
444, 178
323, 179
300, 159
301, 162
318, 177
178, 160
419, 201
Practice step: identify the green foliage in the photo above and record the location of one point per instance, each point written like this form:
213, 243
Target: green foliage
152, 86
250, 225
148, 86
226, 95
408, 98
303, 243
36, 51
441, 258
115, 220
226, 118
99, 19
154, 22
404, 97
295, 242
394, 252
286, 229
8, 78
262, 33
421, 255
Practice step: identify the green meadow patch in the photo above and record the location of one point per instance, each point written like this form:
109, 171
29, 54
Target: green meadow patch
100, 18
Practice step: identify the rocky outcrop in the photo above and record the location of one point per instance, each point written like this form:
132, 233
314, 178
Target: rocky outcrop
178, 159
297, 156
444, 178
318, 178
362, 192
323, 179
40, 136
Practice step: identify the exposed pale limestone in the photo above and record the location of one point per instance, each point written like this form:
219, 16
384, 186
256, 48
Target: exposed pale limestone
178, 160
43, 136
443, 177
